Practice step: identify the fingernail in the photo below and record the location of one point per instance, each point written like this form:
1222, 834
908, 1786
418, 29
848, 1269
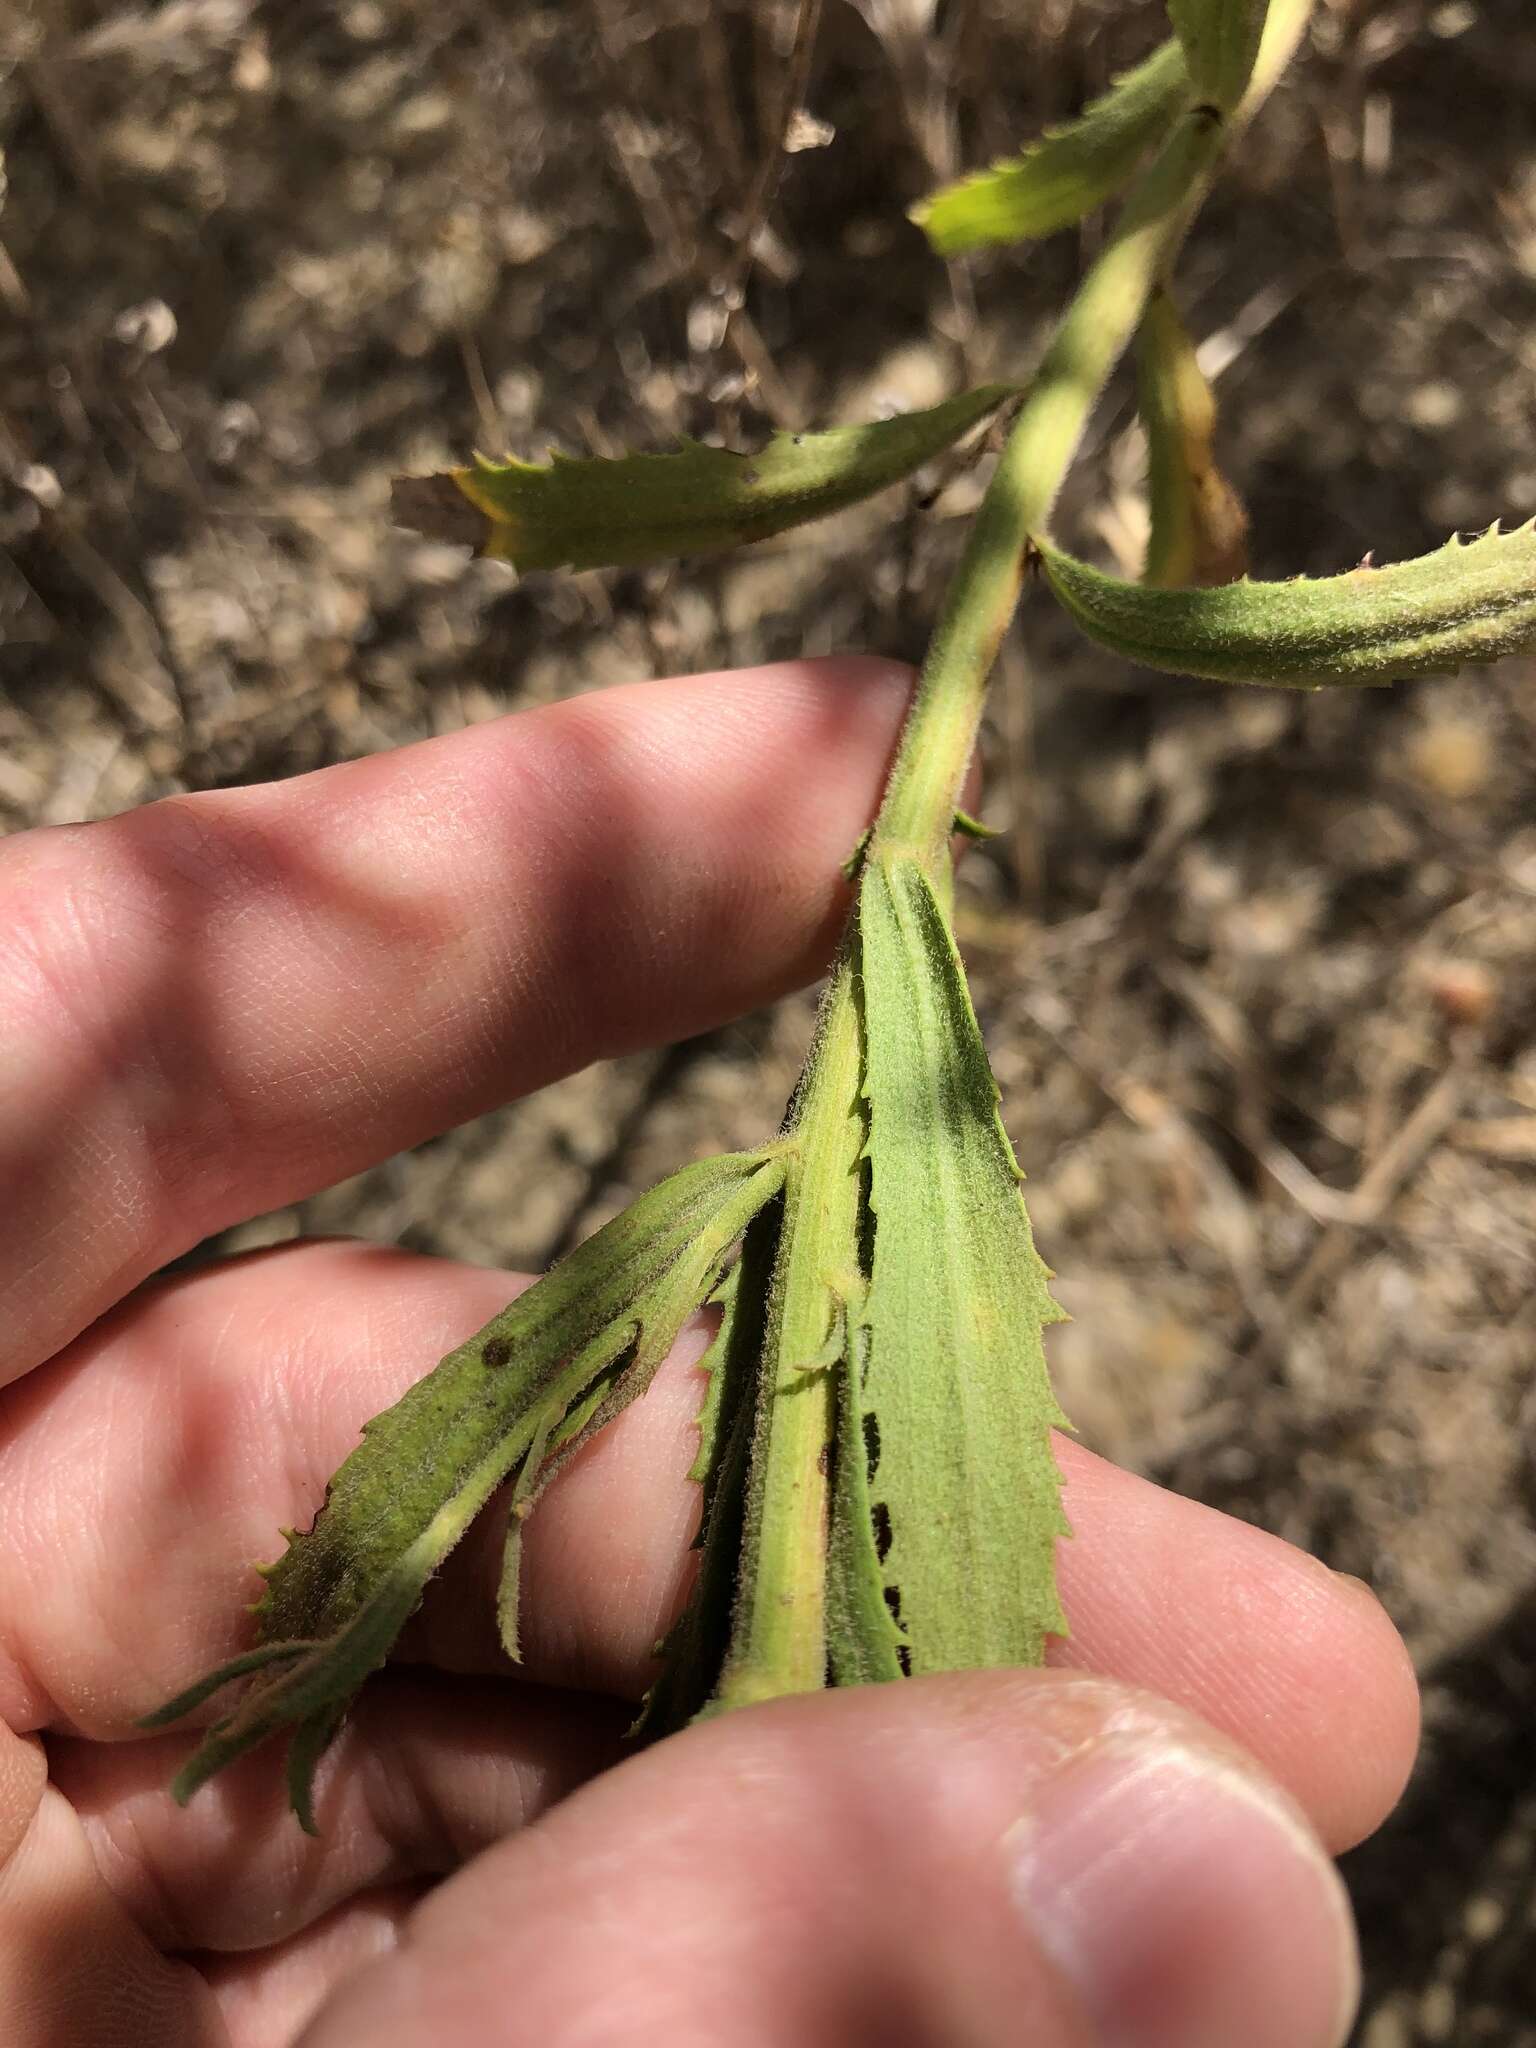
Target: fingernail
1186, 1902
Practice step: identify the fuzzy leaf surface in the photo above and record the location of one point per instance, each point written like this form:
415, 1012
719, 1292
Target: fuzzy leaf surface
590, 513
1199, 528
864, 1641
778, 1628
1469, 601
1221, 41
1068, 172
340, 1594
958, 1296
694, 1653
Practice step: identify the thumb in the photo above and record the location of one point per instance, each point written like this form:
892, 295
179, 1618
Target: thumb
989, 1858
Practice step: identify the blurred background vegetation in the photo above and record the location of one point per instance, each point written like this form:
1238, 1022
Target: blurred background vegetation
1258, 972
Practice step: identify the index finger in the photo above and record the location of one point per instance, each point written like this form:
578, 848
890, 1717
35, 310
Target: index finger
225, 1002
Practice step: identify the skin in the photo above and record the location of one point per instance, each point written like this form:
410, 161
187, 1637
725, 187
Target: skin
224, 1002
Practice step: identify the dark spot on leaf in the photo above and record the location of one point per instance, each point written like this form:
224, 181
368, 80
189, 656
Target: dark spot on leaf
880, 1515
903, 1654
872, 1441
824, 1460
496, 1352
1209, 116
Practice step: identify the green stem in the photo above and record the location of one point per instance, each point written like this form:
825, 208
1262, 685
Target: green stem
920, 800
778, 1637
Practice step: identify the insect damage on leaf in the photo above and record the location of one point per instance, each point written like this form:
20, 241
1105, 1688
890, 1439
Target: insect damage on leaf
694, 1651
954, 1375
1469, 601
599, 512
577, 1346
1068, 172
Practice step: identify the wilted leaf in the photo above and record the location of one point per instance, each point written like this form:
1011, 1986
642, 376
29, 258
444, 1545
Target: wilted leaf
1469, 601
1066, 174
593, 512
1199, 528
955, 1379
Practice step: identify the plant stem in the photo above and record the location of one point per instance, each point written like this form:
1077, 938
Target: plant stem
779, 1633
918, 812
778, 1636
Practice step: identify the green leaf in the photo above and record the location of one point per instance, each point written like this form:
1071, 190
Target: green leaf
694, 1652
1221, 42
864, 1643
340, 1595
1199, 528
1469, 601
525, 1491
589, 513
779, 1624
1066, 174
956, 1378
657, 1316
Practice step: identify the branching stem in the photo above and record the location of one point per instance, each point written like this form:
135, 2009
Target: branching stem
936, 745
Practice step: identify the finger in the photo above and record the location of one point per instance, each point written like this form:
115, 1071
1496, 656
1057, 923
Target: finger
424, 1775
73, 1965
981, 1860
268, 1997
147, 1469
224, 1002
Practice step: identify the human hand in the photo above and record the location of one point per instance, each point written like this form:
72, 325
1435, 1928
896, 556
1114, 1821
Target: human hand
222, 1003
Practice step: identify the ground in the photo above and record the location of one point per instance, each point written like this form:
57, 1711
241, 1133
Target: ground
1256, 970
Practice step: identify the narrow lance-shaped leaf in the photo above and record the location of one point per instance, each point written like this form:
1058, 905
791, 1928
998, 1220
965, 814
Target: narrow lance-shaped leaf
1199, 528
958, 1297
590, 513
1469, 601
694, 1652
1069, 171
1221, 41
657, 1316
411, 1455
340, 1595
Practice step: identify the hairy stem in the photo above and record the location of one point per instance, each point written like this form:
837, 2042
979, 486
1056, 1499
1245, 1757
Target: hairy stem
918, 812
779, 1633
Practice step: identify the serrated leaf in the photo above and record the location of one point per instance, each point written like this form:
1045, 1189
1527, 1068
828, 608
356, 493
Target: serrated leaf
1221, 42
658, 1316
1469, 601
694, 1652
590, 513
956, 1378
1199, 528
1068, 172
339, 1596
